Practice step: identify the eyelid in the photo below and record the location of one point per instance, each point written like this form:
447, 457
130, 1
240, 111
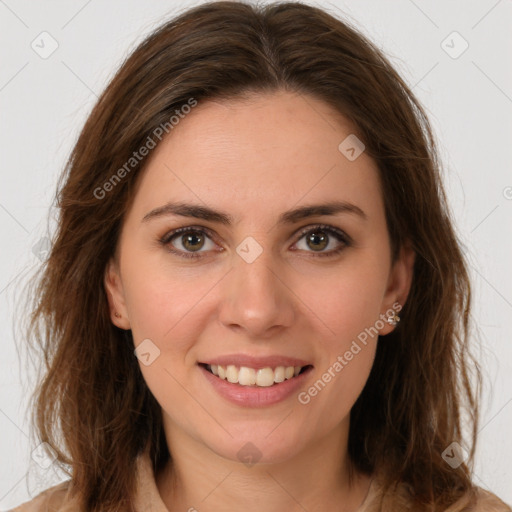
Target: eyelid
166, 240
341, 235
326, 227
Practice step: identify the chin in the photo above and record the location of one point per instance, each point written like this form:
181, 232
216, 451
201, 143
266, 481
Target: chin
256, 445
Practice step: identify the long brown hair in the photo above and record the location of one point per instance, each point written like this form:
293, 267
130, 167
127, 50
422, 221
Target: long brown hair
93, 406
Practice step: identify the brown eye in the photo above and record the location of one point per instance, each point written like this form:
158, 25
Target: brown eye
188, 242
192, 241
317, 240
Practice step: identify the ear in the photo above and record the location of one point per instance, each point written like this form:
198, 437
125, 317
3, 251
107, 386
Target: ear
115, 294
399, 285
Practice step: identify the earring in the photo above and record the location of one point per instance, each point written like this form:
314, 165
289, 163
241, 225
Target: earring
393, 319
117, 315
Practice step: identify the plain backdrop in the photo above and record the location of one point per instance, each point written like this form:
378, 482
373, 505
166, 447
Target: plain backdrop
463, 79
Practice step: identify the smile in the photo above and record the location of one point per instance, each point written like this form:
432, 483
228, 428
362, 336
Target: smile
261, 377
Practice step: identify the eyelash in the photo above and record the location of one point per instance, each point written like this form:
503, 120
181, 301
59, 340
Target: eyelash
338, 234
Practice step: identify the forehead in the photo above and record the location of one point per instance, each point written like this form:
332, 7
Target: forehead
278, 149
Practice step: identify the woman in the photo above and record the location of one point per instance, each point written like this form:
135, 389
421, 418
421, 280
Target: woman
255, 297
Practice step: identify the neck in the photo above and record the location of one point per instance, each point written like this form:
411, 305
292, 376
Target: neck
316, 479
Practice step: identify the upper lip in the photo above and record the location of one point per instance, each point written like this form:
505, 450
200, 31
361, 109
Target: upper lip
255, 362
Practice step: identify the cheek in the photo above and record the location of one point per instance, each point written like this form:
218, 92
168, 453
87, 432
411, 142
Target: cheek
339, 380
349, 303
342, 370
348, 298
161, 298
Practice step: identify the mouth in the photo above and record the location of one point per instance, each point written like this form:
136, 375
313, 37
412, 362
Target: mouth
255, 377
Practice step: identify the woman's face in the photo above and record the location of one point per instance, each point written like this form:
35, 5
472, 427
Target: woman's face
254, 285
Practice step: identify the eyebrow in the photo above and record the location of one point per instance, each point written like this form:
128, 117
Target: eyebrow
289, 217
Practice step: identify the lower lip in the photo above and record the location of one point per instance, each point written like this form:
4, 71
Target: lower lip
255, 396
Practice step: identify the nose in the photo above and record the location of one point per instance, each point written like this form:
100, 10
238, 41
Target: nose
256, 298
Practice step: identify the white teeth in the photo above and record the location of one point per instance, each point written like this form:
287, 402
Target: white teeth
279, 374
232, 374
263, 377
247, 376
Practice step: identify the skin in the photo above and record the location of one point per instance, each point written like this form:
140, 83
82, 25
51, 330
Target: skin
255, 159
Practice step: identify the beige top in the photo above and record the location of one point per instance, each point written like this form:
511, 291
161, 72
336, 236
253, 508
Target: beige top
56, 498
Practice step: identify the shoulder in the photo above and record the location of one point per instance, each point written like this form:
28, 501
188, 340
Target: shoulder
54, 499
400, 499
488, 502
479, 500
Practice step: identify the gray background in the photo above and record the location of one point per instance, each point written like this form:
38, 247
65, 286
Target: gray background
44, 102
